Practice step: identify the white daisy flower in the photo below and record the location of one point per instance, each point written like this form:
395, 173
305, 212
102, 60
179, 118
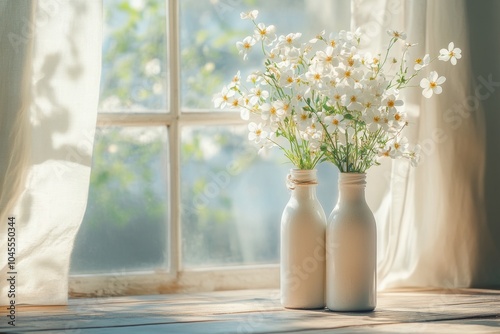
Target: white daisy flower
334, 123
397, 34
222, 99
420, 63
245, 46
257, 132
452, 54
431, 84
251, 15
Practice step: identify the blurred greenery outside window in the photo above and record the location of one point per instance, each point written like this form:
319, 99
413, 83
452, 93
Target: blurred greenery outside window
229, 199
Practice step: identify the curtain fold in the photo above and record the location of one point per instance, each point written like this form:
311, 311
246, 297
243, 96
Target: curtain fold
430, 218
50, 62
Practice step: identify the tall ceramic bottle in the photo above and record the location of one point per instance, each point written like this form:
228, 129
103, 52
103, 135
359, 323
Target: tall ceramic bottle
303, 227
351, 242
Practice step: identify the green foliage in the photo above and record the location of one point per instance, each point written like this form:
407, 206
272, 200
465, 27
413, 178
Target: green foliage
128, 198
124, 178
136, 37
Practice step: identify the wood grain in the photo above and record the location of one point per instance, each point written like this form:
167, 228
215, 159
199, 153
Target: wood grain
259, 311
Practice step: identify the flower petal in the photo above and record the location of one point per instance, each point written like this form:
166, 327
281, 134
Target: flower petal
427, 92
245, 114
433, 76
424, 83
252, 126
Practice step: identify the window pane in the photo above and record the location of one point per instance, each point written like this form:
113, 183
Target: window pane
211, 28
232, 199
126, 223
134, 53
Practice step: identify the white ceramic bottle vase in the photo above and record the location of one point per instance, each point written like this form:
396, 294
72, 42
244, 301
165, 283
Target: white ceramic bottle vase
351, 245
303, 227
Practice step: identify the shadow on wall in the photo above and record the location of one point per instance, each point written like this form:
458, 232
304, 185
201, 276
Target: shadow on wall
484, 23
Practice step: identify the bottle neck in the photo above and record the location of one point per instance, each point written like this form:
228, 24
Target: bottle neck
304, 191
303, 183
352, 187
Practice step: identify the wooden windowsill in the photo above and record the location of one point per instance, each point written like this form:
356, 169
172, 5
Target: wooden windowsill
259, 311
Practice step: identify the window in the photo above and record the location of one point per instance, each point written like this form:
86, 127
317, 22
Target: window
178, 197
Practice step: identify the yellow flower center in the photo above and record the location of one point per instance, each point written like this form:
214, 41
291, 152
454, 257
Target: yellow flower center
397, 146
335, 121
235, 103
418, 61
347, 74
353, 98
289, 40
258, 132
303, 117
289, 80
247, 45
452, 53
317, 76
272, 111
337, 97
332, 43
390, 104
376, 119
328, 59
433, 84
397, 117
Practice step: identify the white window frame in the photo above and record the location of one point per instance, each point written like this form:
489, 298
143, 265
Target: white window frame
177, 278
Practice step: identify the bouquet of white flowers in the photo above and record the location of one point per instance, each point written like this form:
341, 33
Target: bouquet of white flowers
325, 100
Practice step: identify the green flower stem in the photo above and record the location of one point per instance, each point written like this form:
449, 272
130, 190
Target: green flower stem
391, 44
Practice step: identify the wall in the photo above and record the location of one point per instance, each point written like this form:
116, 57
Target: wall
484, 29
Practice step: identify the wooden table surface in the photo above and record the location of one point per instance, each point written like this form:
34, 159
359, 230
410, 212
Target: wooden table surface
259, 311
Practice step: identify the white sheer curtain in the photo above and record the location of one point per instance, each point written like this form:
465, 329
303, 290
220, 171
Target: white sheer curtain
50, 66
431, 219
